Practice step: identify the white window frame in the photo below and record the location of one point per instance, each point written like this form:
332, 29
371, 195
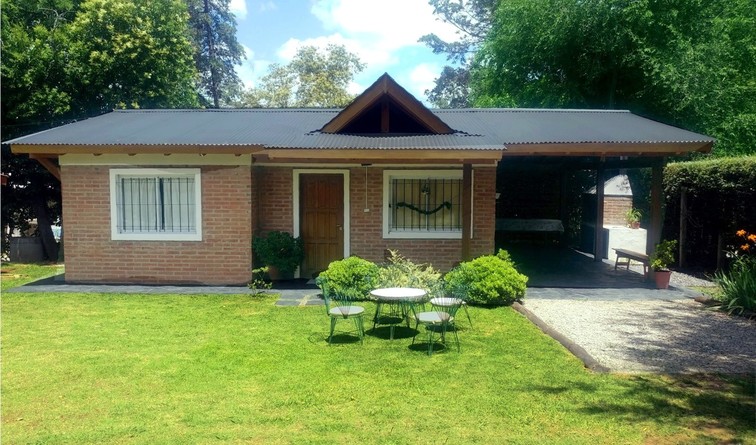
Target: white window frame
388, 175
117, 173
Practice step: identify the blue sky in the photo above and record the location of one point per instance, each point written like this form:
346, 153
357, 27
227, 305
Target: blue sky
383, 33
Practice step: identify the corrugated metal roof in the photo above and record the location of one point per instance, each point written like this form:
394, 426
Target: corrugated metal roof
480, 129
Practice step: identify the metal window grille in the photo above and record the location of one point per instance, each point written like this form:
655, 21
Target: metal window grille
425, 205
156, 205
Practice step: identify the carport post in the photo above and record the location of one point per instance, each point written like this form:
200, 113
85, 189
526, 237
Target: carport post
466, 210
598, 233
655, 224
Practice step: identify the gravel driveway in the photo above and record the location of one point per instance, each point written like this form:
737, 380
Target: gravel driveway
647, 330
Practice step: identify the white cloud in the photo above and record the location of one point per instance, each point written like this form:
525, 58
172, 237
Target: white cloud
377, 30
238, 8
250, 69
383, 34
422, 78
394, 23
266, 6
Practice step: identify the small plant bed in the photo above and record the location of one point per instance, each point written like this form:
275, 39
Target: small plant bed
113, 368
738, 283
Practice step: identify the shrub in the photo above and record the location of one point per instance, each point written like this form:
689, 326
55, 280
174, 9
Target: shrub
398, 271
720, 196
488, 280
664, 255
258, 283
351, 276
279, 250
738, 285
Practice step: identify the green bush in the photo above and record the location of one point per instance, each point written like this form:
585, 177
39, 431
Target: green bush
351, 276
488, 280
664, 255
279, 250
720, 196
738, 286
401, 272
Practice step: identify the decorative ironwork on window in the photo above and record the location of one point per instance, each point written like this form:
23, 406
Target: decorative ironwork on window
429, 205
156, 205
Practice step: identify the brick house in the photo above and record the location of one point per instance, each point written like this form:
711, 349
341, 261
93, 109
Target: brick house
177, 196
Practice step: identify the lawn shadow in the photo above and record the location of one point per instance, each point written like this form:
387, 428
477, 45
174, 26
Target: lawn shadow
421, 345
727, 402
384, 332
343, 338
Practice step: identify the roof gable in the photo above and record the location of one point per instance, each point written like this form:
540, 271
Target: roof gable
386, 108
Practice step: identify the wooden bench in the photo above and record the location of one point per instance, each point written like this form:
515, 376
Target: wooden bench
631, 255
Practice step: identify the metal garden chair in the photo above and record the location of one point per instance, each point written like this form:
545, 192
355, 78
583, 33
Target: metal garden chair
439, 319
462, 303
339, 306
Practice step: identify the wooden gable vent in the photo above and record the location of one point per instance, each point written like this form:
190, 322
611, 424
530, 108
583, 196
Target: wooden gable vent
386, 108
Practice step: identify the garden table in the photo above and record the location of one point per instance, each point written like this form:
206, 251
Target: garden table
399, 301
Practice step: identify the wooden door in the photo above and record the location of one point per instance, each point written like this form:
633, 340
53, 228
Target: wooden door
321, 198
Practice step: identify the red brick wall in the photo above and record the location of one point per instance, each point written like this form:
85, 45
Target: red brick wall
222, 257
276, 199
237, 202
615, 209
367, 228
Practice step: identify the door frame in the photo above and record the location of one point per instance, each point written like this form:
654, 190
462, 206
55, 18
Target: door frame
296, 204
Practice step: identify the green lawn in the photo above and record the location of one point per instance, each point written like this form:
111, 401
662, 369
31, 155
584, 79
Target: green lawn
104, 368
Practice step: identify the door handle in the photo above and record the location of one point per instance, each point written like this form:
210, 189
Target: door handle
340, 227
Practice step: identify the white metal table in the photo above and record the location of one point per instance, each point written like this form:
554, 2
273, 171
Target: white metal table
399, 300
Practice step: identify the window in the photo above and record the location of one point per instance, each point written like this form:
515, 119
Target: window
422, 204
156, 204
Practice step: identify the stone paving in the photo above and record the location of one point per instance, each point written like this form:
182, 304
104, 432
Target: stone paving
299, 297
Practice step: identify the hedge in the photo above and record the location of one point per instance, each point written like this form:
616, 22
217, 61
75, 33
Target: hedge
721, 199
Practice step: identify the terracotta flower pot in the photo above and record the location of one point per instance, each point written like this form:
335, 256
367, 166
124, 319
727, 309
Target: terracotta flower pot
274, 274
661, 278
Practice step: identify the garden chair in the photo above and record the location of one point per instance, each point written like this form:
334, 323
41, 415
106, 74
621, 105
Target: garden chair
440, 301
439, 319
339, 306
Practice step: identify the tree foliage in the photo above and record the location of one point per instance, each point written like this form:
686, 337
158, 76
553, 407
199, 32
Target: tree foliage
217, 51
131, 54
67, 59
313, 78
687, 63
472, 18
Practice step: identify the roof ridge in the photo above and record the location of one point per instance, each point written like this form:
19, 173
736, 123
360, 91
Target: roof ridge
527, 110
226, 110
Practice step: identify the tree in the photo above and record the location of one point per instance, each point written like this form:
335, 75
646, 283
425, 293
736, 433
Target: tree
472, 18
687, 63
313, 78
64, 60
452, 88
216, 51
131, 54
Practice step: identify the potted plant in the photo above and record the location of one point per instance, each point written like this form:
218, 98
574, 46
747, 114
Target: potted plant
281, 252
633, 217
663, 256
